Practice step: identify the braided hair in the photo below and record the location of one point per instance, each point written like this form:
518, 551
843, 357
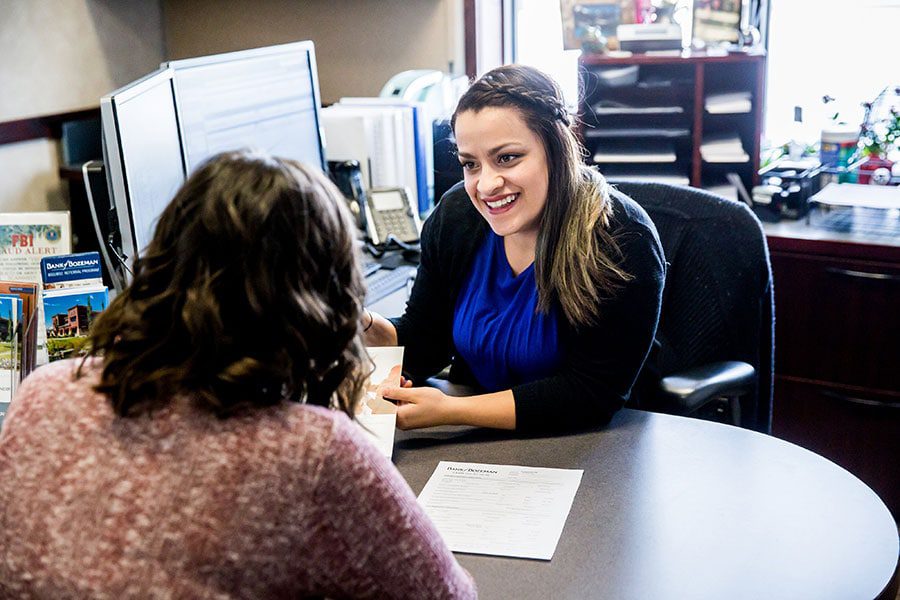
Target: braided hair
577, 259
550, 105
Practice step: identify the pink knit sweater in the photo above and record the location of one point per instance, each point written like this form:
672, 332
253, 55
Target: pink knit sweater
283, 502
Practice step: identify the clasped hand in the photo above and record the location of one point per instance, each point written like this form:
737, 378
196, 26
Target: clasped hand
419, 406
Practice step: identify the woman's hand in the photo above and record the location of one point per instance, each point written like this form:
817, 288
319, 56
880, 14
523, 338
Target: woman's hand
376, 330
421, 406
429, 407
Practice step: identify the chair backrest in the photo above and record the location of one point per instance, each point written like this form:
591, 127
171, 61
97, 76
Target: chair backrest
718, 300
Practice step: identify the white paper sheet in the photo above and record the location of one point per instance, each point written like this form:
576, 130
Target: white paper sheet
854, 194
379, 428
728, 103
377, 416
504, 510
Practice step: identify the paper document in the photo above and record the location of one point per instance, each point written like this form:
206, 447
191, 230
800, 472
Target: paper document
638, 132
728, 103
854, 194
660, 177
377, 416
615, 108
723, 148
646, 151
502, 510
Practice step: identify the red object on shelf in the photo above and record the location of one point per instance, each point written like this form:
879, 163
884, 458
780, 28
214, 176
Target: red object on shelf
641, 7
868, 171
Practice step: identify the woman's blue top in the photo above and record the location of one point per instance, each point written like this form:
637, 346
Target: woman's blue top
496, 329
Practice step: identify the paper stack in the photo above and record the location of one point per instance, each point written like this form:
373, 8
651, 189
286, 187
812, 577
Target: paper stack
728, 103
647, 151
723, 148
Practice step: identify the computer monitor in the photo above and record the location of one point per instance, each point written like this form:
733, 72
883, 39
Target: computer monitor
142, 156
265, 98
159, 128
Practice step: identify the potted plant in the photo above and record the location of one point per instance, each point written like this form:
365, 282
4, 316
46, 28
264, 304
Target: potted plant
879, 137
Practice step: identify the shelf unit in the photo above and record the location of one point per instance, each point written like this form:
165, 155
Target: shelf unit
649, 115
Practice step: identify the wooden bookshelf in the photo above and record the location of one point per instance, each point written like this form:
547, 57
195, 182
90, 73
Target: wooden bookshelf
648, 115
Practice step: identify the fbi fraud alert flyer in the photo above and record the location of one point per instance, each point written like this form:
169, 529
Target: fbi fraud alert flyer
25, 238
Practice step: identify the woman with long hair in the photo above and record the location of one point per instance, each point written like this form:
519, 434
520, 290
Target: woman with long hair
206, 447
538, 283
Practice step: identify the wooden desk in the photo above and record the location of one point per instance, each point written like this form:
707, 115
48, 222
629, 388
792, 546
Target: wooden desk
671, 507
837, 321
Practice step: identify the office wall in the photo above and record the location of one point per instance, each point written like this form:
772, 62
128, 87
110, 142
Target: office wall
360, 44
58, 56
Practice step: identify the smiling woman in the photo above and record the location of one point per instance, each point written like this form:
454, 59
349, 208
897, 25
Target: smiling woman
505, 173
539, 284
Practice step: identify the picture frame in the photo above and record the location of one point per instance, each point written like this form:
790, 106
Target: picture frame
717, 22
583, 19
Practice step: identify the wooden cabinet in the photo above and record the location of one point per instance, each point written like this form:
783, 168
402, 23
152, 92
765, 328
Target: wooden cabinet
690, 118
857, 429
837, 347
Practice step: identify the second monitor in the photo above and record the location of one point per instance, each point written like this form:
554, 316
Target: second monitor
157, 129
266, 98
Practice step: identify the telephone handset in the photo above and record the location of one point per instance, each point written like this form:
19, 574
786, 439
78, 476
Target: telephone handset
389, 212
348, 178
380, 212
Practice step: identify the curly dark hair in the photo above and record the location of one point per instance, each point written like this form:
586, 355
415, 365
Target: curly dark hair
249, 294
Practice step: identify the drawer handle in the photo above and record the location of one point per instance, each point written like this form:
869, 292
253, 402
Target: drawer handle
863, 274
860, 401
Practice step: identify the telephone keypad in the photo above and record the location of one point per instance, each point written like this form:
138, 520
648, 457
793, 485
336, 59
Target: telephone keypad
396, 222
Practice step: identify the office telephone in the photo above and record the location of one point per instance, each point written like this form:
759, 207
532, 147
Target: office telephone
382, 213
389, 213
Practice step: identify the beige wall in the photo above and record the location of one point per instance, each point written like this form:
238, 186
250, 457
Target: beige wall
62, 55
360, 44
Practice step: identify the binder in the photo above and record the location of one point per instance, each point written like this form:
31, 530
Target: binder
421, 135
369, 137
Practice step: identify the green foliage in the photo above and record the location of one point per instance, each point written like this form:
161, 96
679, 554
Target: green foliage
67, 347
881, 138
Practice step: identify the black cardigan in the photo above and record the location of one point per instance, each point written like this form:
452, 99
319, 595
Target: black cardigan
600, 362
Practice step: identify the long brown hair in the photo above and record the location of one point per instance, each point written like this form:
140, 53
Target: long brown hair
576, 259
248, 294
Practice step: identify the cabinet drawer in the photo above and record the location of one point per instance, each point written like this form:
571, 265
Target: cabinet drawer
857, 430
837, 320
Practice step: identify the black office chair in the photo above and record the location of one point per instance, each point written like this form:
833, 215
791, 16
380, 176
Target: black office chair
714, 349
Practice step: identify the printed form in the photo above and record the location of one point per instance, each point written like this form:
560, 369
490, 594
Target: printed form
502, 510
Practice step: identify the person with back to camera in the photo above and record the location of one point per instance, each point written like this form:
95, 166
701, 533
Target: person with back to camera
196, 452
541, 284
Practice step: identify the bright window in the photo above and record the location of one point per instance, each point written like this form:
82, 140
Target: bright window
846, 50
539, 43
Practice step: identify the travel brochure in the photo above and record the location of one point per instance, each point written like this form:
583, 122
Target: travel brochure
68, 314
10, 314
48, 296
18, 336
73, 296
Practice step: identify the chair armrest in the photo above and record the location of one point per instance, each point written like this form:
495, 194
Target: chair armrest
689, 390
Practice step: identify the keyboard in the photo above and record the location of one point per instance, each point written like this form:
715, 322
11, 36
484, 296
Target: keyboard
369, 268
384, 282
